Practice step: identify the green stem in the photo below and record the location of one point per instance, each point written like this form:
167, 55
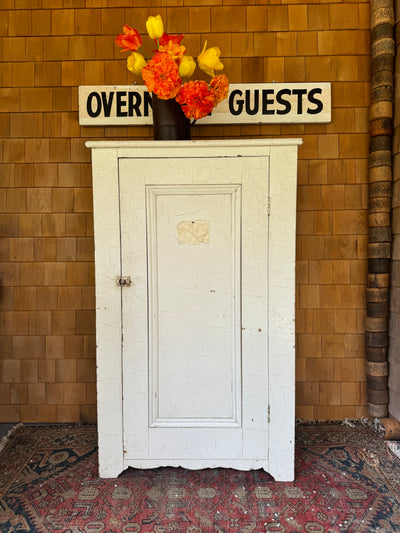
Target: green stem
143, 53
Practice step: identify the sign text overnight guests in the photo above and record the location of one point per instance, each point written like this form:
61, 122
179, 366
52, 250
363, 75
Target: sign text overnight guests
254, 103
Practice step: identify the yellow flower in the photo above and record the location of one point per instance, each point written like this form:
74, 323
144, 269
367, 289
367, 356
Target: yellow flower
187, 66
135, 63
209, 61
155, 27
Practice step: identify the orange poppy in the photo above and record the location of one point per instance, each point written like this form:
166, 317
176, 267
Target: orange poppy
165, 38
161, 76
196, 99
220, 87
129, 40
174, 49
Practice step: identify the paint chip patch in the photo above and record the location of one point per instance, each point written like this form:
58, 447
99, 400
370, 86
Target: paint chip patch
193, 232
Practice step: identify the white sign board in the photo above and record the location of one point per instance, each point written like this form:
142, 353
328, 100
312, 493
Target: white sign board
247, 103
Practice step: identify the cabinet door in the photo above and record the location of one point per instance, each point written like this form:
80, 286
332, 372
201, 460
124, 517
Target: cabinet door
194, 240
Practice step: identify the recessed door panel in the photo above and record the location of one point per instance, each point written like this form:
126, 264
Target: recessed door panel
193, 257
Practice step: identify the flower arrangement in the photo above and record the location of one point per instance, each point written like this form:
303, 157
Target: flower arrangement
167, 73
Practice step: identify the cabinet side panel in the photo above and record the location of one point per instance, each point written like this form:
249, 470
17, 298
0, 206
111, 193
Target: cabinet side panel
282, 231
108, 311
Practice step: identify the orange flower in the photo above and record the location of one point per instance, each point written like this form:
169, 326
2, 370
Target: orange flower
129, 40
196, 99
220, 87
161, 75
174, 49
165, 38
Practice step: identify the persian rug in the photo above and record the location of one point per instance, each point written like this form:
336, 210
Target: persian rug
347, 480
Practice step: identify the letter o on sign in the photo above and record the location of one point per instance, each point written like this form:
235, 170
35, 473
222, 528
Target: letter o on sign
89, 105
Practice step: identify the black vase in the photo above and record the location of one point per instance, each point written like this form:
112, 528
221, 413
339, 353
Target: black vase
169, 121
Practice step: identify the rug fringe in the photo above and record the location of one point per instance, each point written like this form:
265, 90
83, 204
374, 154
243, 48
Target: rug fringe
394, 447
348, 422
6, 438
374, 424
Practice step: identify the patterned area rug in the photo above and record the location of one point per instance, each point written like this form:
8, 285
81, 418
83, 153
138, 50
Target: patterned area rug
346, 481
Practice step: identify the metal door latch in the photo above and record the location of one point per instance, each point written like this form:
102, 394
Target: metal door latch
124, 281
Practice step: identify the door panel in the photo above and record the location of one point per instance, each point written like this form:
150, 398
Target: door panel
194, 239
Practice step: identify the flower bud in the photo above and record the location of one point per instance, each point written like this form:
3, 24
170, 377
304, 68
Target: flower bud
187, 66
155, 27
135, 63
209, 61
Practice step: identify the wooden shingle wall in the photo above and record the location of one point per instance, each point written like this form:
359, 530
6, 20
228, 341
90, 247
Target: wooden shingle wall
50, 47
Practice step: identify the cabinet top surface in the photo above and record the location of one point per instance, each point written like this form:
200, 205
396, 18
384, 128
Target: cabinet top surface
195, 143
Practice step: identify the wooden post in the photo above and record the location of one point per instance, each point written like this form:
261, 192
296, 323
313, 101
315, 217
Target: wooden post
380, 186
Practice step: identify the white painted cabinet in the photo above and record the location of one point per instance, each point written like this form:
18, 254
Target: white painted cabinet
195, 353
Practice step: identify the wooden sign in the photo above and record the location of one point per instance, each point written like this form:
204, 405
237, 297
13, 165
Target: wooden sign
247, 103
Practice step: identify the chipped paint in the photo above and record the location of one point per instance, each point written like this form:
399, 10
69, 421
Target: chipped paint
193, 232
